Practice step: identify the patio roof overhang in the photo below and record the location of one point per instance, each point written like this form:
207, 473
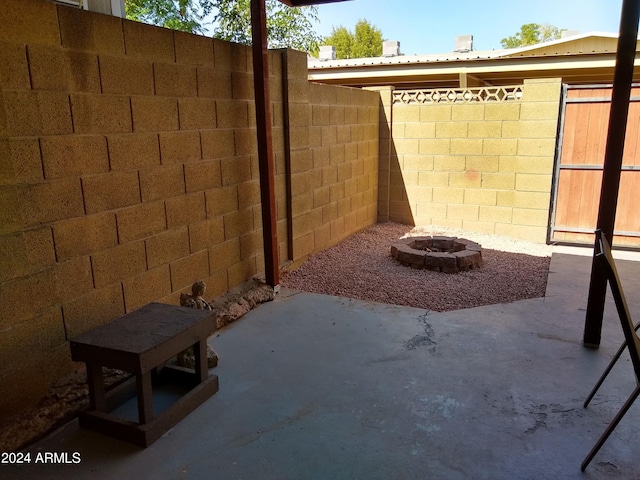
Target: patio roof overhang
263, 127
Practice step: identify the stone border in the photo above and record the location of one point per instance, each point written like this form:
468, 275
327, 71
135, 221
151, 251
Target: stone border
459, 254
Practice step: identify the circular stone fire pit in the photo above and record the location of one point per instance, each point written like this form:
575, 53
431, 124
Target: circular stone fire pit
440, 254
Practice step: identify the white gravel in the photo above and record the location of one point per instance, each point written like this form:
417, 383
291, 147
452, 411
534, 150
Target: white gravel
361, 267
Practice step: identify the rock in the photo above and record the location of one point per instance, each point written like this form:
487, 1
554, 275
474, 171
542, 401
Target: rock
468, 258
234, 305
187, 359
440, 259
195, 300
443, 243
415, 258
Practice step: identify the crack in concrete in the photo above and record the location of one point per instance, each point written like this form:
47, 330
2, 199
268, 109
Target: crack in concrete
541, 413
426, 339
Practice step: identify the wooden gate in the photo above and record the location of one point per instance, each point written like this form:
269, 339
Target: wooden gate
578, 176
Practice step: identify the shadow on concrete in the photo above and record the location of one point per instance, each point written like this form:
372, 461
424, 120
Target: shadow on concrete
321, 387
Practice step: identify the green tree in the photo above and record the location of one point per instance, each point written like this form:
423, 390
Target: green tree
342, 39
368, 41
365, 42
286, 26
532, 34
185, 15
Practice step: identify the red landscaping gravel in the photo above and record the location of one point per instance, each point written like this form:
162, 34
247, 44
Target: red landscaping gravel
362, 267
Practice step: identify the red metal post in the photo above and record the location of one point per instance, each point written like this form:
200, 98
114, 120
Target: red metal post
265, 150
623, 77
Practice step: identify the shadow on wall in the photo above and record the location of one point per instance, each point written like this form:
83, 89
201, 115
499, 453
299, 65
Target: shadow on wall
399, 207
393, 199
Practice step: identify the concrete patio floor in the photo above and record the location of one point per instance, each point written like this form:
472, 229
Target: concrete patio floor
320, 387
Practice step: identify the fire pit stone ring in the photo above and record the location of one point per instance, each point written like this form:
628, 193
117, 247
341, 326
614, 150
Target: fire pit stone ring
438, 253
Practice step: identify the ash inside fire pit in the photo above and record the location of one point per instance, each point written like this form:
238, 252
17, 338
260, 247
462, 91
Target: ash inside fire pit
440, 254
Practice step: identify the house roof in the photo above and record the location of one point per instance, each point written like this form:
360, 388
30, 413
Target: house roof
582, 58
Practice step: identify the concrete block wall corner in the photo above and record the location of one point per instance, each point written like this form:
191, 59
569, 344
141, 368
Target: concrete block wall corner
129, 170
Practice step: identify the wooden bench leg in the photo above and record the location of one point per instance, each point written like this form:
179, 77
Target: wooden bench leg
202, 363
95, 382
145, 397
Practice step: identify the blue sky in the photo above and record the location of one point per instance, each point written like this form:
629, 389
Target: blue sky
430, 26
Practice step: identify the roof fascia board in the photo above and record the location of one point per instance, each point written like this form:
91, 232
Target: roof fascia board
454, 68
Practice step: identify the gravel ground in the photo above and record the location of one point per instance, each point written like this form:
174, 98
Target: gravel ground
361, 267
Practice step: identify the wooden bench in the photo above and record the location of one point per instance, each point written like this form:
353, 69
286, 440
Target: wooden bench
140, 342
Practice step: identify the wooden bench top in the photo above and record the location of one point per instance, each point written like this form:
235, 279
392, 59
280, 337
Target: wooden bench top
146, 336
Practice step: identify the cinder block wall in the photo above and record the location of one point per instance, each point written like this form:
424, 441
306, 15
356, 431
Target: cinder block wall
334, 161
485, 167
128, 170
388, 162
